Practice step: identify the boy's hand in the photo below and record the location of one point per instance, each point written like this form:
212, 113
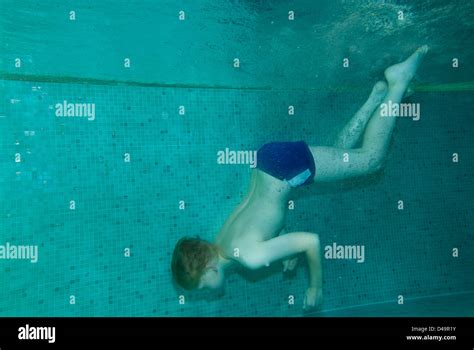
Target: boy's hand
313, 298
289, 264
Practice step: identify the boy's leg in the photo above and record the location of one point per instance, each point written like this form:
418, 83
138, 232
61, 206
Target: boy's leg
337, 163
354, 129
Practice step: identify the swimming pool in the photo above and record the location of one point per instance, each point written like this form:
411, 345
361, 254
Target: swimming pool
159, 88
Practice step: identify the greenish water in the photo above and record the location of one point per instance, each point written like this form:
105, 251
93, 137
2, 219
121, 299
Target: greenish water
100, 198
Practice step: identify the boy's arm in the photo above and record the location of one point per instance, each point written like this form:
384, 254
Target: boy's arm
283, 246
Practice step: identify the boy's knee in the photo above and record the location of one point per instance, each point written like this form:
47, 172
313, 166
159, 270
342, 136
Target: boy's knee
376, 162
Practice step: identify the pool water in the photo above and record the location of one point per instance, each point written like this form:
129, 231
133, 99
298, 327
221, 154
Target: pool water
105, 196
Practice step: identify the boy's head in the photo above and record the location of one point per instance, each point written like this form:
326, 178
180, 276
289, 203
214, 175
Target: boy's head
195, 264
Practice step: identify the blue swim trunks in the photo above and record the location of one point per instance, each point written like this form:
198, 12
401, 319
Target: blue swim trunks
288, 161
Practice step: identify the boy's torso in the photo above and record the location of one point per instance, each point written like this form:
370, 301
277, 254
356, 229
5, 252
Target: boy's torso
259, 217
